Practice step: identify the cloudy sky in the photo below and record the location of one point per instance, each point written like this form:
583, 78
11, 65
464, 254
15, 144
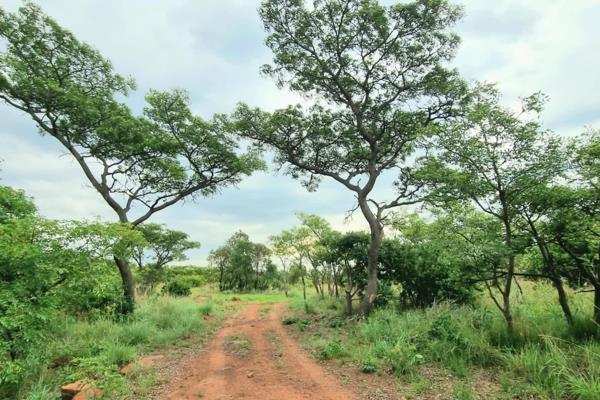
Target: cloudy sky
214, 48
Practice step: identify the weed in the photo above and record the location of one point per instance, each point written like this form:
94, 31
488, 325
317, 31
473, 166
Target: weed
462, 392
238, 344
332, 350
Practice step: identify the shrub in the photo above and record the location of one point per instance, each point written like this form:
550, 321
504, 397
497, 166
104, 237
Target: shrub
177, 288
332, 350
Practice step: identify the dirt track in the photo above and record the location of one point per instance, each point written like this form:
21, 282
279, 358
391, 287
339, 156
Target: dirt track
269, 365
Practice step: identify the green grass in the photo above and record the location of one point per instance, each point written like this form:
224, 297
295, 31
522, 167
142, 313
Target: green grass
544, 358
95, 350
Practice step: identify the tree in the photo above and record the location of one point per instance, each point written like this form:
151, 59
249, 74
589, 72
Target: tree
294, 243
219, 258
490, 157
14, 204
282, 250
162, 247
351, 251
243, 264
533, 208
49, 268
429, 261
139, 165
376, 81
574, 216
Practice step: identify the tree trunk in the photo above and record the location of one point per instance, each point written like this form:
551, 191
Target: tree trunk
303, 283
510, 273
506, 311
221, 270
550, 270
562, 299
376, 228
128, 286
597, 305
348, 303
335, 284
348, 292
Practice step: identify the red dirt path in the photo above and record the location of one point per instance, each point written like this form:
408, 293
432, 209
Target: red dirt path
274, 369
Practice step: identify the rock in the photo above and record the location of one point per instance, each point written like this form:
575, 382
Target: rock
88, 394
72, 389
126, 370
250, 374
80, 390
144, 362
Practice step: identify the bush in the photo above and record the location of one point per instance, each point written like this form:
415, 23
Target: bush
80, 349
332, 350
177, 288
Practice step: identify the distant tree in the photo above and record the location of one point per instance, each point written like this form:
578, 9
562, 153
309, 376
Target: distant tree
283, 251
295, 243
243, 264
377, 81
351, 252
162, 247
138, 165
219, 258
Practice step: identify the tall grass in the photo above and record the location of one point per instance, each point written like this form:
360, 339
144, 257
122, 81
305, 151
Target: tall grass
543, 357
95, 350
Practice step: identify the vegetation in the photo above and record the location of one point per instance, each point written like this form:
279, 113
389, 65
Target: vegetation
377, 82
542, 357
147, 162
494, 279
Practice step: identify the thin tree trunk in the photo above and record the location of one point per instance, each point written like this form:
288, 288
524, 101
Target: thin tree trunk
597, 305
303, 283
562, 299
348, 291
370, 295
128, 285
335, 283
510, 273
550, 269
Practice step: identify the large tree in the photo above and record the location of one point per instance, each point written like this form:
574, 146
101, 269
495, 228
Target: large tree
376, 80
138, 164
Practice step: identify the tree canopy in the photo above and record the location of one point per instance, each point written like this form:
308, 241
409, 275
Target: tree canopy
377, 82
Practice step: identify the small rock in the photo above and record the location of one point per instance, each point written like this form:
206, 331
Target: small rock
144, 362
125, 370
88, 394
250, 374
72, 389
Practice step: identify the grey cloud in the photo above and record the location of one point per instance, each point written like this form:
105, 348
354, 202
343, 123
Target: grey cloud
214, 48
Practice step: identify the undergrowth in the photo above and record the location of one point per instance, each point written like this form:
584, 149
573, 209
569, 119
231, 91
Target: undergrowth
95, 350
543, 358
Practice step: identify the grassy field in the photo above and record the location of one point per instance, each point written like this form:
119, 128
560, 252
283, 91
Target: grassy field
545, 358
96, 350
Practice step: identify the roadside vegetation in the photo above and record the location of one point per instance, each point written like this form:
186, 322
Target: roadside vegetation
478, 275
451, 351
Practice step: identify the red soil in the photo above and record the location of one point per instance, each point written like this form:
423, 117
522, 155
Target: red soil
274, 369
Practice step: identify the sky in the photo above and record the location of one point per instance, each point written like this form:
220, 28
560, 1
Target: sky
214, 48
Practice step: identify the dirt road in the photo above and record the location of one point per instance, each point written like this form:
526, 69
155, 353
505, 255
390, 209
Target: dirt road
253, 357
